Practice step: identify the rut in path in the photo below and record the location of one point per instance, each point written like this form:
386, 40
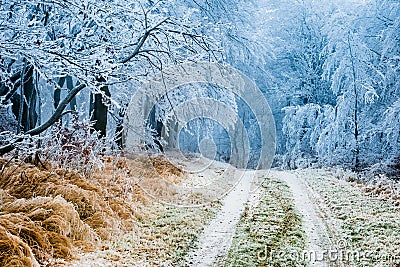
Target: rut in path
217, 236
316, 232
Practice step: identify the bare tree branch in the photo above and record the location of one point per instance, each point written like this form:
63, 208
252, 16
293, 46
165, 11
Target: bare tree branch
142, 41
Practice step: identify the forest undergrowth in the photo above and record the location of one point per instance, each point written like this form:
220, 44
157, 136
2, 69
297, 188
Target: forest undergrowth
48, 213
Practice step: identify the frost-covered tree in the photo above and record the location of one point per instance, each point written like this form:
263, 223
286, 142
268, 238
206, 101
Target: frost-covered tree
359, 62
96, 44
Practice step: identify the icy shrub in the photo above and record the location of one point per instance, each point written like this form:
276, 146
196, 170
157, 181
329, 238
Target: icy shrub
75, 147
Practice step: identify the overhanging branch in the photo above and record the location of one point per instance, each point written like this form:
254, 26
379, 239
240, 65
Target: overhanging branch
142, 41
55, 117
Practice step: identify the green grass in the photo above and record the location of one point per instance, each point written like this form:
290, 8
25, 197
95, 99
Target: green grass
270, 227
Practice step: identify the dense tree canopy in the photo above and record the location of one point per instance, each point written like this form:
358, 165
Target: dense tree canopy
330, 69
93, 44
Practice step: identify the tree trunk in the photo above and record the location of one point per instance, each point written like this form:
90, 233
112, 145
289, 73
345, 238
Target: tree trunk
26, 101
356, 149
120, 128
30, 118
98, 108
70, 86
21, 99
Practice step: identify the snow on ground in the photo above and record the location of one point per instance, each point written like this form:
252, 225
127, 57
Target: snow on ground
364, 227
216, 238
162, 237
269, 230
305, 215
313, 224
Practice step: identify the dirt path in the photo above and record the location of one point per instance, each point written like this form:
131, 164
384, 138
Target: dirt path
217, 236
216, 239
314, 226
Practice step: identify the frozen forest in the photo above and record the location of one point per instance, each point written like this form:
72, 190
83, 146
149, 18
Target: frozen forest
330, 71
199, 133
